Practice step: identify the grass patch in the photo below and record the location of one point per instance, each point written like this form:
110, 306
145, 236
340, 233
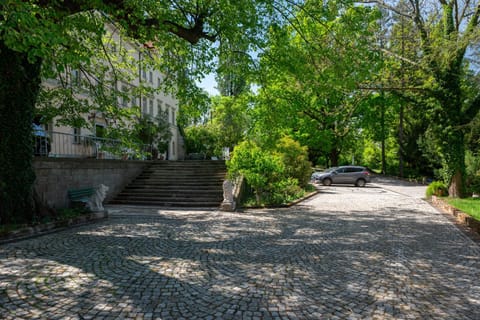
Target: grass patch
470, 206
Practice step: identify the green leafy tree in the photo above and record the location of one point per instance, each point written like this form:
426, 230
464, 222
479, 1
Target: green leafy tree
276, 173
230, 119
155, 132
295, 158
36, 35
194, 109
201, 139
225, 122
232, 74
261, 168
473, 134
311, 74
446, 31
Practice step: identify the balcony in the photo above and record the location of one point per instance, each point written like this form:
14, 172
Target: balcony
64, 145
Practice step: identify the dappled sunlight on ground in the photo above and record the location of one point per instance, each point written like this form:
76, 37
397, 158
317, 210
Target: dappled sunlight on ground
347, 252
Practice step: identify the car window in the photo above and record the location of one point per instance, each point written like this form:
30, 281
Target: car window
340, 170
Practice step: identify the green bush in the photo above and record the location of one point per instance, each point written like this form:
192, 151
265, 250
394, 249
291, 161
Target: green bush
472, 163
473, 184
285, 191
472, 166
372, 155
437, 188
277, 174
259, 167
295, 160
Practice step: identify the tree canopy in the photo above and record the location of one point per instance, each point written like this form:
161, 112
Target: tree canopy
445, 33
44, 37
312, 71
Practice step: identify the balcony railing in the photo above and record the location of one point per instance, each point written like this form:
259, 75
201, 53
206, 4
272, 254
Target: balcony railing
65, 145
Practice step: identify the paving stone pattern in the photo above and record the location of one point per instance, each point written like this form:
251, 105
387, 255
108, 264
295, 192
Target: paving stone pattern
347, 253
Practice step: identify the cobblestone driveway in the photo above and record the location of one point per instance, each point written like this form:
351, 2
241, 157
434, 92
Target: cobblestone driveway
347, 253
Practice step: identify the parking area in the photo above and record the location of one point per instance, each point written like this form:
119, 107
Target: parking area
347, 253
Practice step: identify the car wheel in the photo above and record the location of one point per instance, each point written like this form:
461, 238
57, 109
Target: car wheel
327, 182
360, 183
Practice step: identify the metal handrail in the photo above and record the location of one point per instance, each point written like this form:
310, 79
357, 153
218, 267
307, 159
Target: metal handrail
67, 145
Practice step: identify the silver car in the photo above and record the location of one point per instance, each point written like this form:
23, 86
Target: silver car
356, 175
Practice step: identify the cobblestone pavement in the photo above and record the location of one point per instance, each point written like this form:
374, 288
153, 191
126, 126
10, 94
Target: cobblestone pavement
347, 253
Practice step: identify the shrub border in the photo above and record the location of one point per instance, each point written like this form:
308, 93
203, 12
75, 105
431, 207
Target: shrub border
460, 217
285, 205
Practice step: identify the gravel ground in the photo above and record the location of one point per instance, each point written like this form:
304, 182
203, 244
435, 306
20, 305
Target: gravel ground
378, 252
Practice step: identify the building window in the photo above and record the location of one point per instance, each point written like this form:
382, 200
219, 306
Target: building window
151, 107
124, 97
144, 106
159, 106
174, 116
171, 114
150, 77
173, 148
168, 113
76, 135
144, 74
159, 82
99, 130
76, 77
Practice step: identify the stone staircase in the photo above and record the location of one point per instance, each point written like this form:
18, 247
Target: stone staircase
176, 184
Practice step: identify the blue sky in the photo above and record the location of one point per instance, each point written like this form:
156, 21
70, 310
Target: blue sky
209, 84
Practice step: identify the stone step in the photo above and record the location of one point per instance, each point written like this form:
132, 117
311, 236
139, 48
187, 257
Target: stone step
185, 194
191, 204
177, 184
171, 188
172, 183
181, 175
203, 165
202, 191
170, 197
169, 176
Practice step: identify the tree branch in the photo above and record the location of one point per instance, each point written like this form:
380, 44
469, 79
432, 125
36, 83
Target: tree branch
121, 10
193, 34
384, 5
373, 88
475, 20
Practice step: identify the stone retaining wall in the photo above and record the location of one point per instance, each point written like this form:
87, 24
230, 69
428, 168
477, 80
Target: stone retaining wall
459, 215
55, 176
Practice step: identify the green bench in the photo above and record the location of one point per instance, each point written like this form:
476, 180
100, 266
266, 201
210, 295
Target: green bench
80, 195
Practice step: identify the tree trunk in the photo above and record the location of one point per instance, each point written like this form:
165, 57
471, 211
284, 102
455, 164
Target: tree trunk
334, 157
455, 189
400, 142
451, 134
19, 87
455, 163
382, 123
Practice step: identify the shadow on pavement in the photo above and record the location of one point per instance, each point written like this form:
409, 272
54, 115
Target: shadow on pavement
301, 262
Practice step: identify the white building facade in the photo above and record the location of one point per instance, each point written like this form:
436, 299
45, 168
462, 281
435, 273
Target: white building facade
140, 88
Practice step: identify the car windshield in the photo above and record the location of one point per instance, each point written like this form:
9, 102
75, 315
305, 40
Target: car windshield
331, 169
